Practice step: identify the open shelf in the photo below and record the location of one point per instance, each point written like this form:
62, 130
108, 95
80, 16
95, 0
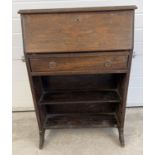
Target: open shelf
80, 97
79, 100
80, 120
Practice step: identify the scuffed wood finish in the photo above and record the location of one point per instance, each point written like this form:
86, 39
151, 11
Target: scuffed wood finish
79, 62
75, 120
72, 32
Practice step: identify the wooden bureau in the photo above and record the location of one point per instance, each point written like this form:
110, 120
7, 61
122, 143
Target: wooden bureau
78, 62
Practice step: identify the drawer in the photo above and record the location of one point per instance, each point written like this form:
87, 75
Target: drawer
79, 62
78, 31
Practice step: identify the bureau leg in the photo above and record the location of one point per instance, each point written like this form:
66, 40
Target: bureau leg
121, 136
41, 135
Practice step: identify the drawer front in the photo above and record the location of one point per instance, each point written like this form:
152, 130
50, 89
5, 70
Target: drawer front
72, 32
79, 63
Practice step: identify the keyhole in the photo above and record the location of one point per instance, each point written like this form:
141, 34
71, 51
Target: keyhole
77, 19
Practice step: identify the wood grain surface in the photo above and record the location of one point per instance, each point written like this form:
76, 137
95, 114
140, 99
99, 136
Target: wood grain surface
80, 63
72, 32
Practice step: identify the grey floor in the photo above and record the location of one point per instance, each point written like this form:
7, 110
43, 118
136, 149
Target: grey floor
77, 141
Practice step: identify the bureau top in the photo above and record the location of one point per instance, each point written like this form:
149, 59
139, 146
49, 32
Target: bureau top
78, 29
84, 9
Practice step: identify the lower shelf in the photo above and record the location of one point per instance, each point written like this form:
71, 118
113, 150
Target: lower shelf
79, 120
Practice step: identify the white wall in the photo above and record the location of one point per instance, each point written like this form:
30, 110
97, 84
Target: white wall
22, 99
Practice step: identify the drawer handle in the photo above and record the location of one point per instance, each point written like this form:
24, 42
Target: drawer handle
108, 64
23, 58
52, 64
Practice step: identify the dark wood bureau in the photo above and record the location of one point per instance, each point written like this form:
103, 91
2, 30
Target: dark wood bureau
78, 62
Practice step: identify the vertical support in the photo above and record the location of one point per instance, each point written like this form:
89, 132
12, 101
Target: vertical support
121, 136
40, 113
41, 136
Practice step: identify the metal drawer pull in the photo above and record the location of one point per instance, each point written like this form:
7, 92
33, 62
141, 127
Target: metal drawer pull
23, 58
52, 64
108, 64
134, 54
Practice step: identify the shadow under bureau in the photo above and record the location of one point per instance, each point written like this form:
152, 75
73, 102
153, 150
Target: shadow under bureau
78, 62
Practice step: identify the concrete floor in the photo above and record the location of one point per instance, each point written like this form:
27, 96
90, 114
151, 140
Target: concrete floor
77, 141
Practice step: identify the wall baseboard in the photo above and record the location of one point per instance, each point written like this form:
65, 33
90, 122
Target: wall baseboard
16, 109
